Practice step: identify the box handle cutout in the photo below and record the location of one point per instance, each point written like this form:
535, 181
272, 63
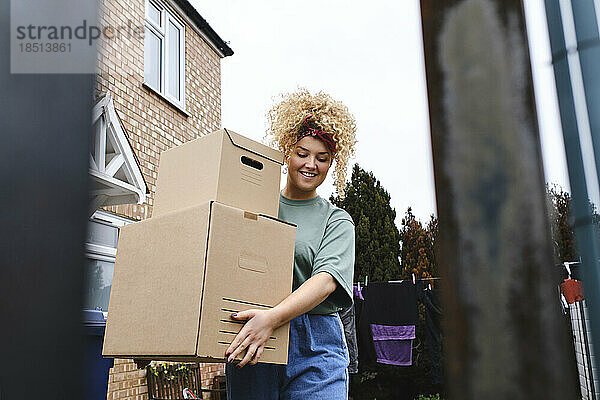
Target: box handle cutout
250, 215
254, 264
252, 163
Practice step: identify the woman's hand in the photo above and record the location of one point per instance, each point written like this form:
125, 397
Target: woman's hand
260, 324
258, 328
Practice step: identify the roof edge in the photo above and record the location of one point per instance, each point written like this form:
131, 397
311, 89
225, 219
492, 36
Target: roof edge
204, 27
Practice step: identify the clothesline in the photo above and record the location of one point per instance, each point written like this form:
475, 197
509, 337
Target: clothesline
403, 280
417, 279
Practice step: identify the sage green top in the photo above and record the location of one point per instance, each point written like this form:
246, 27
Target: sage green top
324, 243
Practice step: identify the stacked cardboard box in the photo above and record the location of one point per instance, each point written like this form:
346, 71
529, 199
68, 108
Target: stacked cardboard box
212, 247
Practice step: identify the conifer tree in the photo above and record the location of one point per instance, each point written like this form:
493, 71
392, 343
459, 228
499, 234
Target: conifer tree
432, 231
561, 218
563, 237
418, 242
377, 237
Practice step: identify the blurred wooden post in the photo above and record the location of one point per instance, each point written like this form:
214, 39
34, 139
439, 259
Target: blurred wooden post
503, 329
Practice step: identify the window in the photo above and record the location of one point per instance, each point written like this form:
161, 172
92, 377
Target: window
101, 250
164, 55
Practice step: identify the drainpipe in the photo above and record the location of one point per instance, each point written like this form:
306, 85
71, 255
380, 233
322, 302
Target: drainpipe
575, 44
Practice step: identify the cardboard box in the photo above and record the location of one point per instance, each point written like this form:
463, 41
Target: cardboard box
221, 166
178, 277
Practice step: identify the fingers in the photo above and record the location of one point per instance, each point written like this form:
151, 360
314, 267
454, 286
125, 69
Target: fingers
234, 348
249, 355
239, 348
257, 355
241, 336
248, 344
243, 315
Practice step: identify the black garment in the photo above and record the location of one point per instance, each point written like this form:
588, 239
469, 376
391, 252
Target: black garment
391, 303
385, 304
348, 320
433, 315
366, 350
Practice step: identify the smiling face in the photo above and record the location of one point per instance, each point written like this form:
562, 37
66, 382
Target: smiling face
307, 168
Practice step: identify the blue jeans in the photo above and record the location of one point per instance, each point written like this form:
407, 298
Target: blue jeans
316, 368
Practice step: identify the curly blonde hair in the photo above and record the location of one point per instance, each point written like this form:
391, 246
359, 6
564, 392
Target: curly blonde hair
285, 122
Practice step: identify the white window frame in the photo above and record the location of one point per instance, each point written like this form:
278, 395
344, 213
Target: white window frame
105, 253
162, 32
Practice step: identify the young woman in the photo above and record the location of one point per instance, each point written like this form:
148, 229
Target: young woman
314, 132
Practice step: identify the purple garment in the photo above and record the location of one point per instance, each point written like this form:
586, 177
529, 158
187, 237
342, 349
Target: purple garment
393, 344
390, 332
357, 292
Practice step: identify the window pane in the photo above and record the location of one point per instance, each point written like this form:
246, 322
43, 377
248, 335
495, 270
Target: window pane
104, 235
154, 14
173, 60
152, 55
98, 281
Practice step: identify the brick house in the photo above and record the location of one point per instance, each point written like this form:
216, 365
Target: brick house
158, 84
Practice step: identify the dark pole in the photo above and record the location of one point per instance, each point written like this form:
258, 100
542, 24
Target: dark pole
44, 133
503, 335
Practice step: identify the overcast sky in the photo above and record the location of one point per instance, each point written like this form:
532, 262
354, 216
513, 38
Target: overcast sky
369, 56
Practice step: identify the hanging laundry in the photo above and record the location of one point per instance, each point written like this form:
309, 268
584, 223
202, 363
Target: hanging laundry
348, 321
366, 351
430, 298
357, 291
393, 344
388, 319
572, 290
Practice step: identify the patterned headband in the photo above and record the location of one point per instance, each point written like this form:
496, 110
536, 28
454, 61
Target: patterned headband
325, 137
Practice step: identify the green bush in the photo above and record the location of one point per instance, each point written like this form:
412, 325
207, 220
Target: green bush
429, 397
171, 371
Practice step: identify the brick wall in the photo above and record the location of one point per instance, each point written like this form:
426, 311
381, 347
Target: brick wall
125, 381
152, 125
